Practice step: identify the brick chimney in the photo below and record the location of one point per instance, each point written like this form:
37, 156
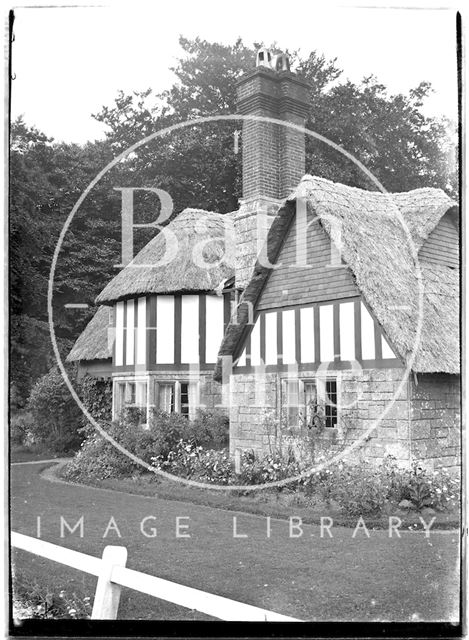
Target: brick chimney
273, 154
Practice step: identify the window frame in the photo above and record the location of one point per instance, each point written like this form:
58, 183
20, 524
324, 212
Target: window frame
122, 389
177, 397
320, 384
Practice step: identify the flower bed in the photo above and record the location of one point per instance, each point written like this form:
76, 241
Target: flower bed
352, 488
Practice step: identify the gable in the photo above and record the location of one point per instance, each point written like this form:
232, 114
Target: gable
309, 271
374, 246
442, 245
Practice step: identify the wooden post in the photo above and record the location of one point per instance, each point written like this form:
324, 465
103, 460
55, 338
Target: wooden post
107, 596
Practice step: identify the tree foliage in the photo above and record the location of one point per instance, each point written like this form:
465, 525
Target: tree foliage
56, 417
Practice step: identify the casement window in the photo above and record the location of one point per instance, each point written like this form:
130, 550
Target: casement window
303, 406
178, 397
131, 393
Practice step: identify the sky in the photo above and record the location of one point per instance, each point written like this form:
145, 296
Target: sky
68, 62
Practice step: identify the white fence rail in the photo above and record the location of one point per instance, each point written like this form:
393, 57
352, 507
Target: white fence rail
112, 574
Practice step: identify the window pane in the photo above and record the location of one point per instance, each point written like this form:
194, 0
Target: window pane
185, 399
291, 401
130, 393
331, 403
292, 393
310, 398
166, 398
141, 400
120, 396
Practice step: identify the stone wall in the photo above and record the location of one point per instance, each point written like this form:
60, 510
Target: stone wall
422, 423
363, 397
436, 420
366, 412
249, 401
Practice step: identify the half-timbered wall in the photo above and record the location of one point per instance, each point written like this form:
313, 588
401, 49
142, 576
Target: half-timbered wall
336, 332
161, 331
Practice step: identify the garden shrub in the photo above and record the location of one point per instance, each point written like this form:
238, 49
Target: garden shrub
188, 460
21, 428
364, 488
178, 446
99, 459
210, 429
97, 397
359, 489
215, 466
167, 429
56, 417
437, 489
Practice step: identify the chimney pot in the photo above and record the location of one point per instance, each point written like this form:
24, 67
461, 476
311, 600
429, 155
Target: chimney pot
264, 58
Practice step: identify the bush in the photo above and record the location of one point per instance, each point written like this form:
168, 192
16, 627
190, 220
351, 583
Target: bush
178, 446
210, 429
166, 430
56, 416
365, 489
21, 429
190, 461
97, 397
360, 489
98, 458
437, 489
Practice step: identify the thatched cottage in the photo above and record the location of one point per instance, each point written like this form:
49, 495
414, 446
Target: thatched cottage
334, 307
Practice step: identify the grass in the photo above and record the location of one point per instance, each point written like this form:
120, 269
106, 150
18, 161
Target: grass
22, 453
263, 503
342, 578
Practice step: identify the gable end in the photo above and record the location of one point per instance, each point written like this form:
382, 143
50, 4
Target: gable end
307, 274
442, 245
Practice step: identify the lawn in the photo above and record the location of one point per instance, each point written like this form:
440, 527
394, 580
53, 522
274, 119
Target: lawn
312, 578
30, 454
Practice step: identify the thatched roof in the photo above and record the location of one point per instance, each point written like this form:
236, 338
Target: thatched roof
376, 247
93, 342
166, 264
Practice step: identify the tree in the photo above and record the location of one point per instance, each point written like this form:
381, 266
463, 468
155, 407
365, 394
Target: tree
56, 419
46, 180
388, 133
